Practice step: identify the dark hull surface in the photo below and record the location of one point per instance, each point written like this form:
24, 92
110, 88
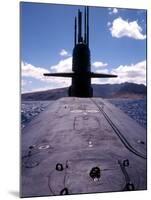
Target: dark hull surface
65, 144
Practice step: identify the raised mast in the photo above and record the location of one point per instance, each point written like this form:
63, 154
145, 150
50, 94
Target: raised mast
80, 39
75, 32
87, 26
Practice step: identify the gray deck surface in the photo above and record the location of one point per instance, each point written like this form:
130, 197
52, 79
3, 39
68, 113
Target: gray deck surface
82, 133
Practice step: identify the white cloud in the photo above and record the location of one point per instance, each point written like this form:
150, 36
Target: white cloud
63, 52
98, 64
134, 73
29, 70
64, 65
102, 71
121, 28
113, 11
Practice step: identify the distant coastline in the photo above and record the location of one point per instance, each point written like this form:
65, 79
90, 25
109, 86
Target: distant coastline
123, 90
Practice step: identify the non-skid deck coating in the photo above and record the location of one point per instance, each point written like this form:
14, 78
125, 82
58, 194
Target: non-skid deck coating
80, 134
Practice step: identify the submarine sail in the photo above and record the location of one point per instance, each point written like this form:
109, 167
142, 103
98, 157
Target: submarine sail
81, 61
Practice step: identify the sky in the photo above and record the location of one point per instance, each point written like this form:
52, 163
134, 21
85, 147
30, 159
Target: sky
117, 43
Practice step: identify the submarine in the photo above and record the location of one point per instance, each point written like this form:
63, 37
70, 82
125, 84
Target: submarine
82, 144
81, 61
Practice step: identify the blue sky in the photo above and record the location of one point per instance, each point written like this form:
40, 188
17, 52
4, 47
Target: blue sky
117, 43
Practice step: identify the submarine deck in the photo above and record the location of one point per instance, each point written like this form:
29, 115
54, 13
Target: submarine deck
82, 145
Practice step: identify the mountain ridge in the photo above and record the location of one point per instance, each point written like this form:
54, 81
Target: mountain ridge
122, 90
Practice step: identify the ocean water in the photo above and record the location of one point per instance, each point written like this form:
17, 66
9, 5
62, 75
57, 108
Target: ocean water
134, 108
30, 109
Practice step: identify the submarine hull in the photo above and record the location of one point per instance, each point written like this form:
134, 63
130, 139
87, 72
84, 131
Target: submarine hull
82, 145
